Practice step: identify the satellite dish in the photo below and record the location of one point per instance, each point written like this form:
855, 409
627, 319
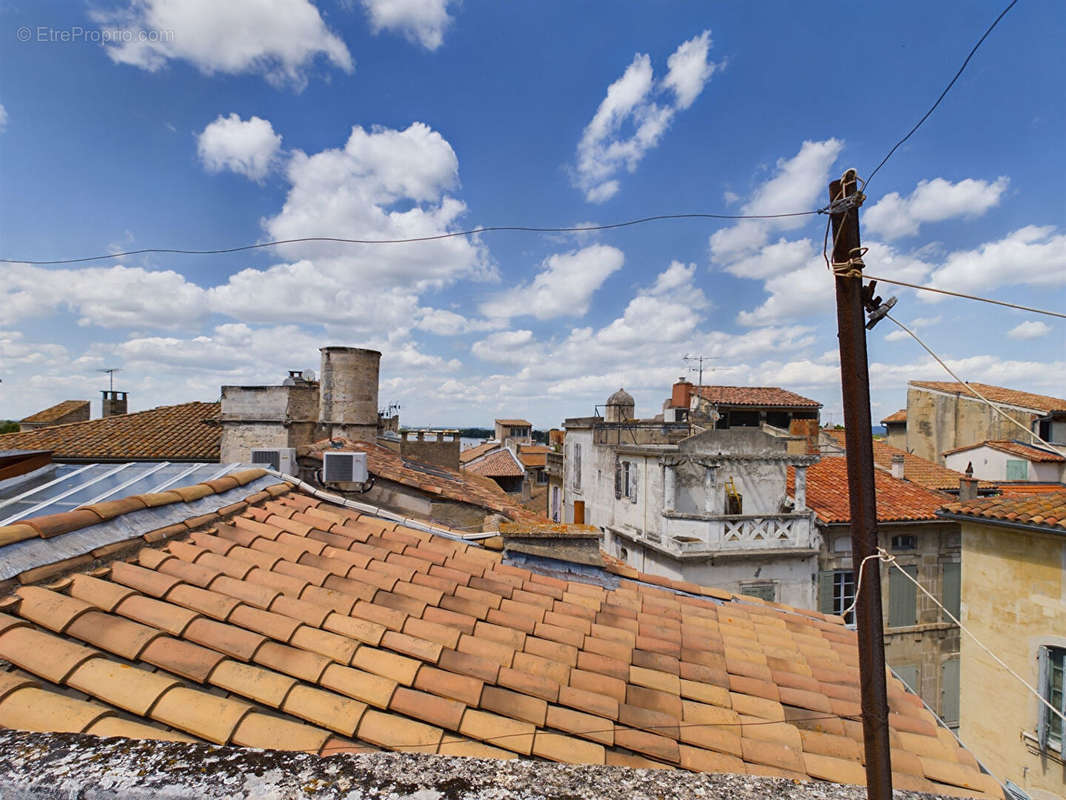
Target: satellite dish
308, 375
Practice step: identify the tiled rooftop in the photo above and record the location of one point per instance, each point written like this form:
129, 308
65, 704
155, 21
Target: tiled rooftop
1047, 510
533, 455
756, 396
470, 453
915, 468
510, 422
58, 411
166, 433
1028, 452
291, 623
899, 416
997, 394
501, 463
897, 501
451, 484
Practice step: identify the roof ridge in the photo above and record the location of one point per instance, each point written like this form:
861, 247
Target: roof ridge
53, 428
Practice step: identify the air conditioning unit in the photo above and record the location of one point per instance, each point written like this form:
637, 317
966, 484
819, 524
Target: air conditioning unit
339, 466
279, 459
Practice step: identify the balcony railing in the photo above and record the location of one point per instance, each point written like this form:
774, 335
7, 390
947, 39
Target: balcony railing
706, 534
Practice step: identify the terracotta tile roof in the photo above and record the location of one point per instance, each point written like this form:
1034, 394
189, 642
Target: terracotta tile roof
470, 453
166, 433
1019, 489
899, 416
897, 501
997, 394
301, 625
533, 459
58, 411
756, 396
1047, 510
501, 463
525, 422
459, 485
915, 468
1028, 452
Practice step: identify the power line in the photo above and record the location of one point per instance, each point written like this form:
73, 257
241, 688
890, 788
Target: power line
943, 94
452, 235
966, 296
972, 390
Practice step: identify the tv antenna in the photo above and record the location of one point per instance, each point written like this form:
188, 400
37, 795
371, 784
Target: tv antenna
699, 358
110, 376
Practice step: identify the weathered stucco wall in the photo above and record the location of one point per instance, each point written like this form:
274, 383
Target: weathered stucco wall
991, 465
266, 416
1013, 600
937, 421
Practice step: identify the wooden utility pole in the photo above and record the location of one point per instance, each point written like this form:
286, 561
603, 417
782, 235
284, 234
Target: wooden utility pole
855, 382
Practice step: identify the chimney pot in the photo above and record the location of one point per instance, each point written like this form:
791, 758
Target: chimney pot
898, 466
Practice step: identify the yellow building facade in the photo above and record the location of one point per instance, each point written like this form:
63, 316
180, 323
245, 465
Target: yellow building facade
1013, 599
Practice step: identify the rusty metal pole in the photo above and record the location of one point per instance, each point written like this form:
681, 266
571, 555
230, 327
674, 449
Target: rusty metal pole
855, 382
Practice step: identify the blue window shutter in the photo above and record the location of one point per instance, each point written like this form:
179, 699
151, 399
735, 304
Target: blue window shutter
951, 588
949, 691
1017, 469
902, 598
825, 592
1045, 690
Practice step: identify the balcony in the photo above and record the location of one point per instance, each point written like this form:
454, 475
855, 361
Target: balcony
553, 465
704, 534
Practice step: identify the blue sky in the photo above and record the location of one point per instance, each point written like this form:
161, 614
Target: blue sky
196, 124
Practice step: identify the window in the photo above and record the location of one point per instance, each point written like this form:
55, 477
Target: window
842, 544
1017, 469
542, 476
950, 588
837, 593
909, 674
625, 480
764, 590
902, 598
577, 465
1052, 669
905, 542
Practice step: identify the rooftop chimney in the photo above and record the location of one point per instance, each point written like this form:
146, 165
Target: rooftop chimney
968, 485
681, 396
897, 466
113, 403
348, 393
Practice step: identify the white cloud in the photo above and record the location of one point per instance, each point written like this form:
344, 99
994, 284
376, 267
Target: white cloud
384, 184
1031, 255
249, 148
507, 347
932, 201
3, 118
110, 297
563, 287
1032, 329
799, 184
917, 324
605, 149
447, 323
279, 40
420, 21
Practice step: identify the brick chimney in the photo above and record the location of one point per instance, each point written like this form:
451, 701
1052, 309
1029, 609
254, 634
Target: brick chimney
113, 403
897, 466
968, 485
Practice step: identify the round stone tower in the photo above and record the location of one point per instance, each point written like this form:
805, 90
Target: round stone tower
348, 393
620, 407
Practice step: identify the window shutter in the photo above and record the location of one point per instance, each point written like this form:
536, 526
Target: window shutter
949, 691
951, 588
902, 598
617, 480
1017, 470
825, 592
634, 482
909, 675
1043, 715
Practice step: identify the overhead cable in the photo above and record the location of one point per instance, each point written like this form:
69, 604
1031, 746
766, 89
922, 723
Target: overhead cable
435, 237
974, 391
943, 94
966, 296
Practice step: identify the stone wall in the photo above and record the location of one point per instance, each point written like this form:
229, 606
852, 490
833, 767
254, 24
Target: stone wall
431, 447
266, 416
937, 421
1014, 601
